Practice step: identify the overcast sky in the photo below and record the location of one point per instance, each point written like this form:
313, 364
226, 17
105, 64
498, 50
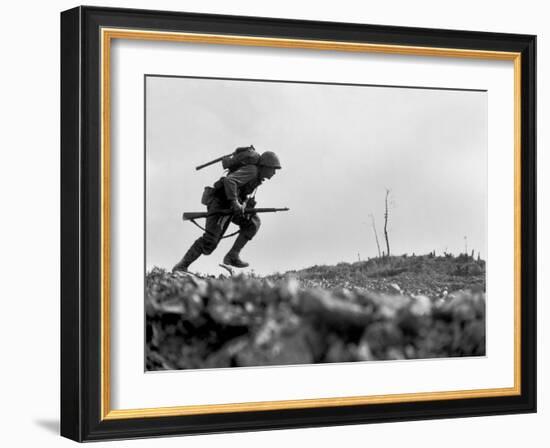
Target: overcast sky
340, 147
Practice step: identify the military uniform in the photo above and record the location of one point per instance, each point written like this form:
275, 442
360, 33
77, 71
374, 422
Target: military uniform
230, 192
235, 186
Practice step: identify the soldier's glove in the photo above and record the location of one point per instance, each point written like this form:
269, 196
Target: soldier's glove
237, 208
251, 203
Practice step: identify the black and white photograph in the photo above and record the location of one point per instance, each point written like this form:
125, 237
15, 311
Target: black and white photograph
297, 223
315, 221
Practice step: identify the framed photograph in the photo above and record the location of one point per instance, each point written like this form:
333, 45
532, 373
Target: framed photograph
273, 223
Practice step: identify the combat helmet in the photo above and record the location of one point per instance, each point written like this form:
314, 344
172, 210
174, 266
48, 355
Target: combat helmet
270, 159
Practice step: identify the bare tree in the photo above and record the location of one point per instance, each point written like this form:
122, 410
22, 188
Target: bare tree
375, 234
386, 222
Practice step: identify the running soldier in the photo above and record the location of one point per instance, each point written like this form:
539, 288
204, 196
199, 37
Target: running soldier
236, 191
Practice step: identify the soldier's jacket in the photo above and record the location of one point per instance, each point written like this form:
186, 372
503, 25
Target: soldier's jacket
238, 184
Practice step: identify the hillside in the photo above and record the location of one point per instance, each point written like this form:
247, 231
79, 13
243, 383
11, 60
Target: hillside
382, 309
424, 274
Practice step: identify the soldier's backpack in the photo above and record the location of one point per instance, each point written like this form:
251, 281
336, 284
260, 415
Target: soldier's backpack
245, 155
242, 156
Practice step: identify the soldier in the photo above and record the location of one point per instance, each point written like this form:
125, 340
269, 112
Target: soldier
234, 191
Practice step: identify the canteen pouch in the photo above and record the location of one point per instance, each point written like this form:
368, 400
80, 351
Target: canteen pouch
207, 195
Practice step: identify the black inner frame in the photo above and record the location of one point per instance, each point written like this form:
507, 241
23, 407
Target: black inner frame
81, 221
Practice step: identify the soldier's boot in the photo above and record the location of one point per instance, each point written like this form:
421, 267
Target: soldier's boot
190, 256
232, 257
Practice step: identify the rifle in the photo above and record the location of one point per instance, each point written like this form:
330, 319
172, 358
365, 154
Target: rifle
212, 162
233, 154
189, 216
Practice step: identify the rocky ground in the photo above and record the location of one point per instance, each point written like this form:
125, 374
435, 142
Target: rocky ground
404, 307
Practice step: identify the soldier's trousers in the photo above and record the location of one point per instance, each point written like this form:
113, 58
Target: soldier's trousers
216, 227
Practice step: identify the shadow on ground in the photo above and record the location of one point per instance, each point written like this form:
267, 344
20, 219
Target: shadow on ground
51, 426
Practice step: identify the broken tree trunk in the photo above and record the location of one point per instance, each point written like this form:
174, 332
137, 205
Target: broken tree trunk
386, 223
375, 234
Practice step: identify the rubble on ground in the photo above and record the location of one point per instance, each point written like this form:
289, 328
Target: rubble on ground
241, 321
